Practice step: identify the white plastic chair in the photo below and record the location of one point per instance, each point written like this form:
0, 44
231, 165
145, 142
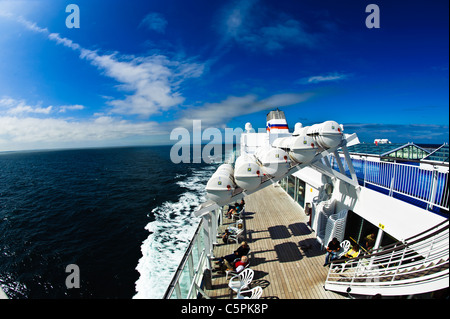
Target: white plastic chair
239, 221
345, 246
235, 237
256, 293
242, 280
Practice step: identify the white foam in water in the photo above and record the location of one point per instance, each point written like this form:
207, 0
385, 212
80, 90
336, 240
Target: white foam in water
169, 237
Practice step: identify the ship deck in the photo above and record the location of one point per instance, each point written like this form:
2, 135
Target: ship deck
285, 256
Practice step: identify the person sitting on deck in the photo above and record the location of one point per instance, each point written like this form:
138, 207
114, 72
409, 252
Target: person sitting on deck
350, 254
236, 265
230, 230
232, 211
241, 264
332, 249
353, 252
242, 250
226, 235
236, 209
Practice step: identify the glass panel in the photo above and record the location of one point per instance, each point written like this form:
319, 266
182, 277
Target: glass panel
301, 192
283, 183
291, 186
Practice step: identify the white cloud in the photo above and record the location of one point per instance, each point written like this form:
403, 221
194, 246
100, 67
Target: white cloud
17, 107
154, 21
16, 131
243, 25
23, 126
325, 78
218, 114
152, 81
75, 107
12, 106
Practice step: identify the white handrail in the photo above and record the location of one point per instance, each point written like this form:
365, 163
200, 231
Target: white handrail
425, 185
417, 266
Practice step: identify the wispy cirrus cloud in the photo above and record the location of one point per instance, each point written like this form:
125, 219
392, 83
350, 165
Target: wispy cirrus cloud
218, 114
151, 83
242, 25
154, 21
330, 77
20, 107
75, 107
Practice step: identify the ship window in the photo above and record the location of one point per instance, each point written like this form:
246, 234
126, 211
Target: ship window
291, 186
387, 240
301, 192
357, 228
283, 183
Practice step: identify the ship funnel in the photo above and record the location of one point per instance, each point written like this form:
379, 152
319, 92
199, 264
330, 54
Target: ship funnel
276, 122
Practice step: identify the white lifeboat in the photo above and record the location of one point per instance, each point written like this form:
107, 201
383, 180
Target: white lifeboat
247, 172
327, 134
220, 186
301, 149
275, 161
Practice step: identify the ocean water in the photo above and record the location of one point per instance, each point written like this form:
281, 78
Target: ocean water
122, 215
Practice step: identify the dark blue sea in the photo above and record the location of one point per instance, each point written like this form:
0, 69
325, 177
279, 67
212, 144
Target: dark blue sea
122, 215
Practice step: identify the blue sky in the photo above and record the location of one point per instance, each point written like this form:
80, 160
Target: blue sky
135, 70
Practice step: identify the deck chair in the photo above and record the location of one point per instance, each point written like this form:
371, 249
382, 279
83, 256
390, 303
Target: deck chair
239, 221
242, 280
256, 293
238, 214
235, 237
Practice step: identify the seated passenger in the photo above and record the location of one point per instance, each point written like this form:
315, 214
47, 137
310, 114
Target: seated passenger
242, 250
241, 264
353, 252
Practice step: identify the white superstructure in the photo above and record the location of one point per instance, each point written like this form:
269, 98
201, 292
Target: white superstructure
342, 200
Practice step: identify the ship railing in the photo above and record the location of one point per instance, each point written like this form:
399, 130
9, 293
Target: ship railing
185, 282
424, 187
417, 265
191, 277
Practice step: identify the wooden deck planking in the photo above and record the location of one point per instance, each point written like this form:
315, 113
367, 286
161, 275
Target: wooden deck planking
285, 255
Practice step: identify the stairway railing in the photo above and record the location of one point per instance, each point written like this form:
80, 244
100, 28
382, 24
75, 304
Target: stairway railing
418, 265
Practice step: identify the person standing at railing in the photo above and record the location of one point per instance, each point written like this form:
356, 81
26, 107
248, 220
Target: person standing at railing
370, 241
332, 249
